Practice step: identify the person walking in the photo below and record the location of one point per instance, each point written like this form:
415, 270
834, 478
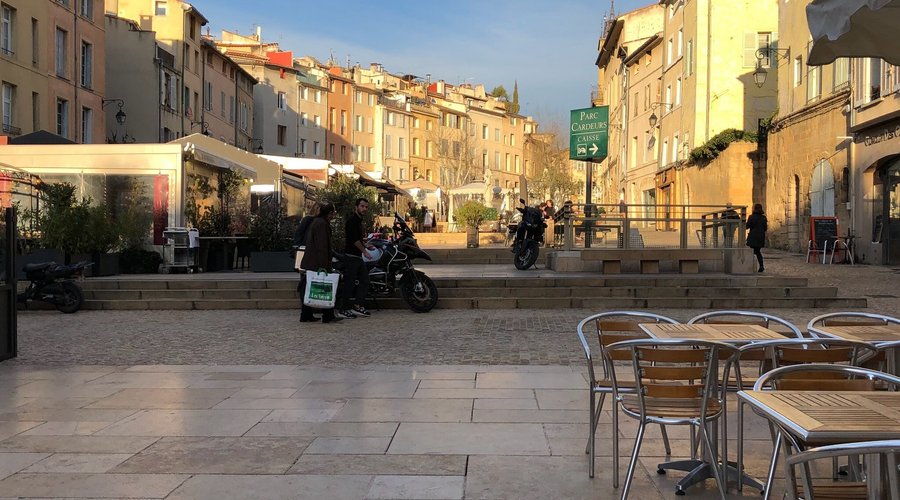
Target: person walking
730, 219
317, 256
757, 225
355, 272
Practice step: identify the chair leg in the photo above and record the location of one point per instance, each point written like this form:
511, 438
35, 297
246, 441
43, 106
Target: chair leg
693, 444
665, 436
740, 444
615, 420
591, 440
773, 463
715, 467
587, 446
633, 462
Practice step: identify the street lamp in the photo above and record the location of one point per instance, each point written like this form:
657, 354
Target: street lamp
653, 120
120, 115
767, 53
204, 127
259, 146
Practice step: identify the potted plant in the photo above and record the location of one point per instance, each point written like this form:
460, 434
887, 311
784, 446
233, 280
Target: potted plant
472, 214
135, 223
272, 232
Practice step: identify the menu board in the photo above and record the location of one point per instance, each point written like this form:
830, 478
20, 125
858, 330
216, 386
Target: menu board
823, 229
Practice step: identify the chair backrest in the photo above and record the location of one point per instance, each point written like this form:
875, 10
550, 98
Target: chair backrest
851, 318
775, 323
679, 374
615, 326
812, 377
889, 450
775, 353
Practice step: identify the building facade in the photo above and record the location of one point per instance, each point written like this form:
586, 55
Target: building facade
313, 107
24, 66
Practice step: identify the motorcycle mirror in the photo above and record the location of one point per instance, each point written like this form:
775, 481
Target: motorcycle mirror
522, 201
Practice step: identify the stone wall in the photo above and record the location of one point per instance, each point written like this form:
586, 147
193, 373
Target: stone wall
727, 178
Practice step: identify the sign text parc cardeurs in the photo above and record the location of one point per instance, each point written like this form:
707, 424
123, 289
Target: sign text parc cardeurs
589, 133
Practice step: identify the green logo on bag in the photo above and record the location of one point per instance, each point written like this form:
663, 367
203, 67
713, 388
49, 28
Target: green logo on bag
320, 290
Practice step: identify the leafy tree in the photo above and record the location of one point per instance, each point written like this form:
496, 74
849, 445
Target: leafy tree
271, 228
716, 144
472, 213
514, 105
500, 93
457, 154
552, 175
343, 191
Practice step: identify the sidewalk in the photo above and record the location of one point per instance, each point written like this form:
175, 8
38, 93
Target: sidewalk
237, 432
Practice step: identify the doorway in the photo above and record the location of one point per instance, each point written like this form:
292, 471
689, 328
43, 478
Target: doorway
887, 223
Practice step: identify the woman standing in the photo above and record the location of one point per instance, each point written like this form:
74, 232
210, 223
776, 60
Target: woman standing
757, 224
318, 256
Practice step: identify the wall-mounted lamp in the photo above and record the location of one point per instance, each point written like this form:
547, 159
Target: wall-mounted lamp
259, 146
766, 54
120, 115
653, 120
204, 127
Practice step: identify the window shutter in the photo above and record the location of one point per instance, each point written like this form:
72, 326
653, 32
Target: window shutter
750, 46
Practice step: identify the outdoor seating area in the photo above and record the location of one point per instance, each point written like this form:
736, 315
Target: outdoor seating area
826, 389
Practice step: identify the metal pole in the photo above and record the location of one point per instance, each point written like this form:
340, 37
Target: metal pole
588, 224
684, 227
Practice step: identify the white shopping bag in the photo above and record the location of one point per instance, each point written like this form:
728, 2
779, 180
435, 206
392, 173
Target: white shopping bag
321, 289
298, 257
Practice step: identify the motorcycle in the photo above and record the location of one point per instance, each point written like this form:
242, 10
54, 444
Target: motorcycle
529, 236
54, 284
390, 268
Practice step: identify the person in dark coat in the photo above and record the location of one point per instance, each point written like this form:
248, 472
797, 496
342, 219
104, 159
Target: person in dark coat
318, 256
757, 225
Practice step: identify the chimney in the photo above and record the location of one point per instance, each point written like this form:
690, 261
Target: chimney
259, 33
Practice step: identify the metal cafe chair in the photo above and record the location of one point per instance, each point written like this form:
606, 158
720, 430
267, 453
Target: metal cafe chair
676, 383
810, 377
850, 318
612, 326
790, 352
749, 318
888, 450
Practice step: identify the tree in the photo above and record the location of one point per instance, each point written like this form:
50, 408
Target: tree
514, 105
500, 93
343, 191
458, 151
552, 174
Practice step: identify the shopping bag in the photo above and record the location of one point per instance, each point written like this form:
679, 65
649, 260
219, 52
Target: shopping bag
321, 289
298, 257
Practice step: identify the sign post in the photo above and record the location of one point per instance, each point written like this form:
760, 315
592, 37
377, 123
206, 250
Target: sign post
589, 141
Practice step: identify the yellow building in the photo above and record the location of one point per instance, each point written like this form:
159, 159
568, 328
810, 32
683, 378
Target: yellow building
24, 63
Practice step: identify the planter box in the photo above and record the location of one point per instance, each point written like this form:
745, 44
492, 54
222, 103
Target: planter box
471, 237
106, 264
271, 262
220, 258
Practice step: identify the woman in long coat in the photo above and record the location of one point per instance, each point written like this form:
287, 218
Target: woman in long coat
318, 256
757, 224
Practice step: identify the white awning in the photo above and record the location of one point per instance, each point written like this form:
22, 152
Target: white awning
202, 155
853, 28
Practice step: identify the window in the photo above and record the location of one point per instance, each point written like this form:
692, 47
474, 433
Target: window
497, 160
87, 64
87, 126
497, 134
416, 123
518, 165
689, 65
317, 119
304, 119
512, 139
485, 132
87, 9
230, 109
669, 47
160, 7
676, 154
874, 80
245, 116
632, 160
371, 154
484, 159
35, 42
36, 110
415, 146
665, 151
388, 149
678, 91
62, 118
813, 83
317, 149
798, 71
61, 39
282, 101
390, 119
841, 69
371, 100
360, 123
192, 28
359, 98
222, 105
196, 101
668, 100
371, 128
282, 135
429, 124
343, 122
7, 15
208, 96
429, 149
637, 96
752, 43
302, 147
304, 93
318, 96
401, 148
680, 47
8, 95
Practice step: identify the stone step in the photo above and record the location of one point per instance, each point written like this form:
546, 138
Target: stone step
491, 292
595, 303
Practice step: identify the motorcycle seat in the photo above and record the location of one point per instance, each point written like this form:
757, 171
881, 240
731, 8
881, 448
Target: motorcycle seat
38, 267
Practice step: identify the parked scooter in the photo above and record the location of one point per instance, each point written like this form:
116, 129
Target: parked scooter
529, 236
54, 284
390, 268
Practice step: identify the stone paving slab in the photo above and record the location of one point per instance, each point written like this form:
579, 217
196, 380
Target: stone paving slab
469, 444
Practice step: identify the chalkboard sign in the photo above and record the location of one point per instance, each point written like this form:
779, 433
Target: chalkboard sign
822, 229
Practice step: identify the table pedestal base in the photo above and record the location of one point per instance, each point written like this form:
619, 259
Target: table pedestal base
698, 470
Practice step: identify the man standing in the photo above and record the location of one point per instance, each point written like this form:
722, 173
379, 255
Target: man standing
730, 222
355, 274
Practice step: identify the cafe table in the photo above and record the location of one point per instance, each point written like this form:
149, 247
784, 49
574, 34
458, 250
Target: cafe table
735, 334
872, 334
827, 417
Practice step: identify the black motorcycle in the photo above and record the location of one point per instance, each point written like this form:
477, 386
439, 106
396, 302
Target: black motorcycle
54, 284
391, 269
529, 236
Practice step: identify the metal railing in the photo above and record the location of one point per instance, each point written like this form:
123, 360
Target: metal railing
669, 226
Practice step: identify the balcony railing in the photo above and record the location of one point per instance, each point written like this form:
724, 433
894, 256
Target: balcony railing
10, 130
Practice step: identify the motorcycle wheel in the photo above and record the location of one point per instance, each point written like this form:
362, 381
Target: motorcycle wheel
527, 255
70, 298
422, 298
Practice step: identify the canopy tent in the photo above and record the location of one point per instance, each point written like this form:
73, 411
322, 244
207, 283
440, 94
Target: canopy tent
460, 195
853, 28
426, 194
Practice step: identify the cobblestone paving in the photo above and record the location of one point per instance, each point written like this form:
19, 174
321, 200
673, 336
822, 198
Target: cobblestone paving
507, 337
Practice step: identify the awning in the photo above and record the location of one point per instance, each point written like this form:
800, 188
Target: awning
853, 28
470, 188
218, 154
215, 160
420, 184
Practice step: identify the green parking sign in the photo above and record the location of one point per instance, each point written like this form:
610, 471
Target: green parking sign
589, 133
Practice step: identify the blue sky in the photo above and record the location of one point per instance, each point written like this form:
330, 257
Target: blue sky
548, 46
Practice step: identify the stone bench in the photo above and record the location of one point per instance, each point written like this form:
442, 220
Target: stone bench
654, 260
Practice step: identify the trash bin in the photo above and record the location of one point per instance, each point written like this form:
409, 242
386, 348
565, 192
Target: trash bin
177, 253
